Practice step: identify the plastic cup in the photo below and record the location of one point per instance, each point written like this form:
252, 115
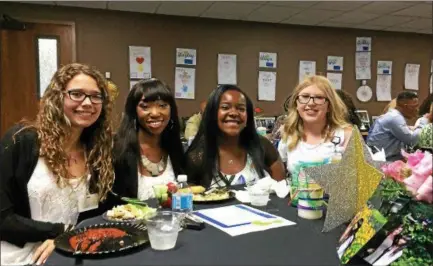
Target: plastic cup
163, 229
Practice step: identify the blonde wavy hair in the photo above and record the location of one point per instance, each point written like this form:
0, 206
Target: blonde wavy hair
336, 117
53, 128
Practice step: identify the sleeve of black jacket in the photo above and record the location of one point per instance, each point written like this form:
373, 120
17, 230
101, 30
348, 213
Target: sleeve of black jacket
16, 225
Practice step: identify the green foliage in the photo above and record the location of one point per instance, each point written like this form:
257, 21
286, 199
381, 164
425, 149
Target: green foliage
421, 235
391, 190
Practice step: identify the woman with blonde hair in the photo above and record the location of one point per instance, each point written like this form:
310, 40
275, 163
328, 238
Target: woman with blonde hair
56, 169
316, 127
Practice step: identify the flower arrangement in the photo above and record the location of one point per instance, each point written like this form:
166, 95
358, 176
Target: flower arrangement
411, 181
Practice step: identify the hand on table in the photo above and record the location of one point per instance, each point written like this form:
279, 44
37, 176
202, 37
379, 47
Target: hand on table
43, 252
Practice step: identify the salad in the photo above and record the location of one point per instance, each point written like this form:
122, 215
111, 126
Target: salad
130, 212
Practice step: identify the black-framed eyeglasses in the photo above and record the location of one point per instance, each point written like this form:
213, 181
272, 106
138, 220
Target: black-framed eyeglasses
319, 100
79, 96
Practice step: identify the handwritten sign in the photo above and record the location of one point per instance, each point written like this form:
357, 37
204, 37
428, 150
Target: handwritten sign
186, 56
268, 60
335, 63
363, 44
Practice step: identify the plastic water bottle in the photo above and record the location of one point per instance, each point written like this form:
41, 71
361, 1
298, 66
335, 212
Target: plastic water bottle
183, 198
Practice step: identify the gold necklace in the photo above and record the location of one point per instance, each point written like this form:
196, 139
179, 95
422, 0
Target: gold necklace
155, 169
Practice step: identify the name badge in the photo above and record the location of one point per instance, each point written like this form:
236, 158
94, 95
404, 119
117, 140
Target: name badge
90, 202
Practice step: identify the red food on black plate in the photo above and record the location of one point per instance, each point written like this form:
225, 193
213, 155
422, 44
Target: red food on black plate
91, 239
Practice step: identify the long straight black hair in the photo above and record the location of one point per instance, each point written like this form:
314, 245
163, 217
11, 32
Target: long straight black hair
202, 154
127, 135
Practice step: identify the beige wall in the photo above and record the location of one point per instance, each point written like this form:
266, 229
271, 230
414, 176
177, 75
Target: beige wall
103, 38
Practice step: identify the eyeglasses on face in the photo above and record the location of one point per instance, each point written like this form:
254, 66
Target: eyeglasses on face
79, 96
319, 100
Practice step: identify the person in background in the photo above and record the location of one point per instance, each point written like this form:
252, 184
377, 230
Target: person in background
147, 148
426, 136
352, 117
391, 131
316, 124
55, 170
424, 112
227, 149
279, 122
193, 122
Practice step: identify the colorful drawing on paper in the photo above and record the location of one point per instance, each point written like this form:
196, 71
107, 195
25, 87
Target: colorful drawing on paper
139, 62
185, 83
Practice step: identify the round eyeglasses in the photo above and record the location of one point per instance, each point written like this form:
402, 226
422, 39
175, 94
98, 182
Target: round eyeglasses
319, 100
79, 96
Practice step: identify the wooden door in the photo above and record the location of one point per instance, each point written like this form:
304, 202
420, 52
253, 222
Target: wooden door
21, 71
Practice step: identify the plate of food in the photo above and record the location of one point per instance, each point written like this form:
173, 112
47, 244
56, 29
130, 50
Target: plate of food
128, 213
213, 195
102, 238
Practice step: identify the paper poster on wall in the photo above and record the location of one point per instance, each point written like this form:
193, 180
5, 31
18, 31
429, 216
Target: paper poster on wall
384, 67
336, 80
267, 84
184, 83
411, 76
186, 56
268, 60
363, 73
335, 63
132, 83
363, 44
306, 68
139, 62
227, 69
383, 88
363, 59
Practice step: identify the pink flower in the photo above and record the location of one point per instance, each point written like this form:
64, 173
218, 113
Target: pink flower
413, 158
394, 170
425, 191
421, 174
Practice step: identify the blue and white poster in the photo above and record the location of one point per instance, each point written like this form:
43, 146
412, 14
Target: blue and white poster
335, 63
268, 60
186, 56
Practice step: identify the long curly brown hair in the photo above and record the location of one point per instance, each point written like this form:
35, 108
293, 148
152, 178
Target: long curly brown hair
53, 128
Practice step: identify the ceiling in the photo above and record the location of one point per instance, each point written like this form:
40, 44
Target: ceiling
402, 16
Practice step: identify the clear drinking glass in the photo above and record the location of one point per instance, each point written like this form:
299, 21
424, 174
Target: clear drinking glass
163, 229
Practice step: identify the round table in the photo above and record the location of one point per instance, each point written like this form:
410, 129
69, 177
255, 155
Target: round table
300, 244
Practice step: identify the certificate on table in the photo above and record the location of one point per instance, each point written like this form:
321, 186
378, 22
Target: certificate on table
241, 219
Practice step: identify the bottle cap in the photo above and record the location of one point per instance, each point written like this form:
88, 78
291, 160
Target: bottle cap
182, 178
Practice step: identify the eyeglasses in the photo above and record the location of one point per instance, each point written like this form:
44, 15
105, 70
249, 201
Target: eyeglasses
319, 100
79, 96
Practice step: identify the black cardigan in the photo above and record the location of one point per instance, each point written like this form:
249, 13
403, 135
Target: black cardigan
18, 160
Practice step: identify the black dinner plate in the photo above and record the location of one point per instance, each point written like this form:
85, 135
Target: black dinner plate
136, 235
232, 195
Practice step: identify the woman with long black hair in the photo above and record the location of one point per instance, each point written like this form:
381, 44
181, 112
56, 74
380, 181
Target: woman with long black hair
227, 149
147, 149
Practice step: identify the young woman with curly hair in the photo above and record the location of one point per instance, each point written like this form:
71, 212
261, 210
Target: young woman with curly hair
53, 167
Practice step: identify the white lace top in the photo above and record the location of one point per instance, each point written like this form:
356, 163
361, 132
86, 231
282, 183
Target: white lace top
146, 183
48, 203
247, 175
